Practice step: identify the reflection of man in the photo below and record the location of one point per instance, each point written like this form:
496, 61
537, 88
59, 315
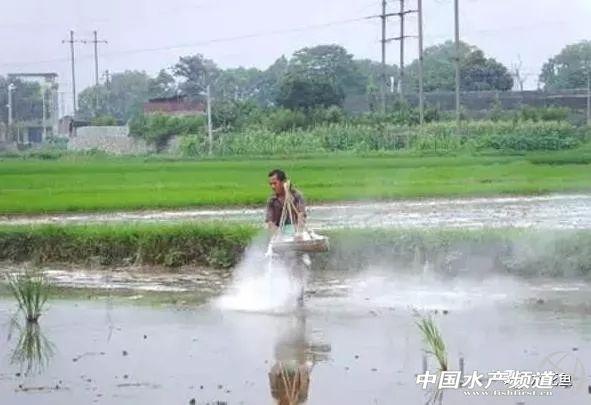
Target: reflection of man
290, 375
275, 205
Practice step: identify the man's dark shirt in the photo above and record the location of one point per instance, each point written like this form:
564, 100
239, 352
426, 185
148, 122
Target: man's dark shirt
275, 206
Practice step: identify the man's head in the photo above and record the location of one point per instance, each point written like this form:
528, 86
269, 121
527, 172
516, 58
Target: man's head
276, 179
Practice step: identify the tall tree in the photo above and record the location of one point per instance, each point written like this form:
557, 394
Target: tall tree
568, 69
238, 84
270, 82
327, 63
305, 93
477, 72
121, 98
195, 72
163, 85
27, 103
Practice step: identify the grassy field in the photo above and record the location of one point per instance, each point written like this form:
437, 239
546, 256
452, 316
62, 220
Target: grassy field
30, 186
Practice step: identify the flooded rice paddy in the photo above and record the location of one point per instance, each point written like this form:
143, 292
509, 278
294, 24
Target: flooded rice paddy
201, 336
356, 338
561, 211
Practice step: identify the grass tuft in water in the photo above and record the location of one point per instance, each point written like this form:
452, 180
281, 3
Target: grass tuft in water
434, 342
31, 289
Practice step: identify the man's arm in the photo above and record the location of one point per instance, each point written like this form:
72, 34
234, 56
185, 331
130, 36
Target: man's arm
269, 220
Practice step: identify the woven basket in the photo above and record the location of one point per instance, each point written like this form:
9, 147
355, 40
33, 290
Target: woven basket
316, 244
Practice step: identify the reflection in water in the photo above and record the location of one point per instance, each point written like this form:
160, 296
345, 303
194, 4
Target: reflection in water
294, 360
33, 350
434, 397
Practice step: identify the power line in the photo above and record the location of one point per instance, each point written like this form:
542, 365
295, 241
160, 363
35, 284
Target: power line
204, 43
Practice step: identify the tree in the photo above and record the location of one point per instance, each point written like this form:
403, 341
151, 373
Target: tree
27, 103
568, 69
162, 85
328, 64
196, 72
121, 98
477, 72
307, 93
270, 81
372, 76
238, 84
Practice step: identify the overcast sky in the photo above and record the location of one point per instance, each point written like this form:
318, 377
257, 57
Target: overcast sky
149, 35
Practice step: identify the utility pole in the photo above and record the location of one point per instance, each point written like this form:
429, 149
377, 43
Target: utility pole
402, 14
385, 40
401, 84
383, 81
421, 89
209, 128
588, 94
71, 41
44, 115
457, 40
95, 41
11, 88
107, 78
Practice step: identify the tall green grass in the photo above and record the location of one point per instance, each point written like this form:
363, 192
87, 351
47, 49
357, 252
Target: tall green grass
469, 136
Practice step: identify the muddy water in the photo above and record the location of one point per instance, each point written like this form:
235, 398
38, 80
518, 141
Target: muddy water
356, 337
555, 211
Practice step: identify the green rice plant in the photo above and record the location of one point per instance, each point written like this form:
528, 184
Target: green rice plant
31, 289
434, 342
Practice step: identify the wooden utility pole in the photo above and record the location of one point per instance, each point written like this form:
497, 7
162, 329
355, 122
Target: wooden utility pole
209, 126
589, 94
401, 79
457, 41
95, 41
421, 89
71, 41
383, 16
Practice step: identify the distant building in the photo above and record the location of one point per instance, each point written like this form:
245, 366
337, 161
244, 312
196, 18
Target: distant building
177, 105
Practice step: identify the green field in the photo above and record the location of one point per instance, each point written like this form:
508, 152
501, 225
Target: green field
78, 183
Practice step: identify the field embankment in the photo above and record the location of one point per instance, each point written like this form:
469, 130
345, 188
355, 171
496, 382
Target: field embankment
519, 252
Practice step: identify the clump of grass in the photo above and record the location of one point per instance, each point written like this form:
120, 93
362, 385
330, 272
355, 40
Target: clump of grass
31, 289
434, 342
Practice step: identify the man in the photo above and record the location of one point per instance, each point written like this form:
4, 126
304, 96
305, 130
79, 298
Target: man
279, 183
298, 263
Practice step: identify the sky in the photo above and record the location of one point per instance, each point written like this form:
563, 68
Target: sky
149, 35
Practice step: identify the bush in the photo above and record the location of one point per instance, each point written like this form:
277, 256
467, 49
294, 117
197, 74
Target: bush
283, 119
157, 129
103, 120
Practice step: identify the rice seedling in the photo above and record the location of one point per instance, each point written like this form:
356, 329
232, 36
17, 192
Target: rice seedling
435, 345
31, 289
128, 184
